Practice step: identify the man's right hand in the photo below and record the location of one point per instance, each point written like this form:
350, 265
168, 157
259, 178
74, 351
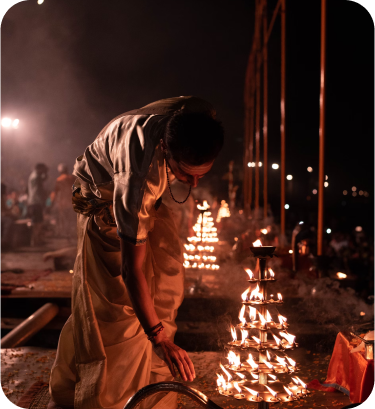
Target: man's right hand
172, 355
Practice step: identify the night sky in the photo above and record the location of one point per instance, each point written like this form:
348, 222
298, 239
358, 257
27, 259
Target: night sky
68, 67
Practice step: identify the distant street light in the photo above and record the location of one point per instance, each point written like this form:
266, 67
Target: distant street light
310, 169
329, 231
289, 177
275, 166
345, 192
40, 1
325, 184
260, 164
354, 188
315, 192
7, 123
286, 206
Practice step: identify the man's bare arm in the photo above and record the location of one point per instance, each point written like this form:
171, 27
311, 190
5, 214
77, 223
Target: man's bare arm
132, 258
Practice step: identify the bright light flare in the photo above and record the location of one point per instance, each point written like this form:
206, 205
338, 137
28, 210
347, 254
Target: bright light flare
257, 243
275, 166
40, 2
289, 177
264, 231
6, 122
15, 123
271, 273
341, 276
309, 169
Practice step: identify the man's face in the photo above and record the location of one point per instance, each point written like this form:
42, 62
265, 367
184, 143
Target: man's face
187, 173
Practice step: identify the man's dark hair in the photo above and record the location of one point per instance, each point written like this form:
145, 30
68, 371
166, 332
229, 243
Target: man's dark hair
194, 138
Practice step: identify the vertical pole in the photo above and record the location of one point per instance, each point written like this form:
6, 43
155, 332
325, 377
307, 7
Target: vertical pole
322, 128
265, 112
251, 135
282, 125
257, 119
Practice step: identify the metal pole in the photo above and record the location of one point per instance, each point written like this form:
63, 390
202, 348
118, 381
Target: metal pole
265, 113
322, 128
257, 118
282, 125
24, 331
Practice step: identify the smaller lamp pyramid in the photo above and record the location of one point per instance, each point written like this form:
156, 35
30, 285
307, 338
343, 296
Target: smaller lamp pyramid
223, 211
200, 250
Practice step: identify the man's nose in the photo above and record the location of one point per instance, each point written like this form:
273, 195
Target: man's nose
194, 181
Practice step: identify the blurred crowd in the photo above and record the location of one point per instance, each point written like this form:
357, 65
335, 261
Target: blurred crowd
31, 212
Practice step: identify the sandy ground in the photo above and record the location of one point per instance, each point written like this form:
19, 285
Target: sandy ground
22, 367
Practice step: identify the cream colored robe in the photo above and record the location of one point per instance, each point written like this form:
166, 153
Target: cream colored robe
103, 355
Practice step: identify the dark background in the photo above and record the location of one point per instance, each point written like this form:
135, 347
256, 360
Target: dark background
68, 67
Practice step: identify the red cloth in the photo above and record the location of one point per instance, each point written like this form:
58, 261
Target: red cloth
350, 371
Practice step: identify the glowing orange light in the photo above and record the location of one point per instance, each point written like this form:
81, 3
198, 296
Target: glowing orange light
229, 376
241, 315
273, 393
251, 362
234, 333
250, 273
257, 243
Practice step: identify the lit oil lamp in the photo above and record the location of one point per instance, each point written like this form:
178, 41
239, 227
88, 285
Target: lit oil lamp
254, 397
274, 395
238, 395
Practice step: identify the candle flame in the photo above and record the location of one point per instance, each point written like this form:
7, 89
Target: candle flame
268, 365
268, 316
254, 393
272, 274
288, 391
257, 243
302, 383
244, 295
250, 273
280, 360
289, 337
255, 376
252, 313
244, 335
295, 381
268, 356
251, 362
234, 359
282, 319
274, 377
229, 376
257, 340
241, 315
255, 294
291, 361
273, 393
235, 384
241, 375
276, 339
262, 319
279, 296
234, 333
221, 381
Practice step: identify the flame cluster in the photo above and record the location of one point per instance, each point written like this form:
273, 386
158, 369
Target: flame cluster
223, 211
198, 255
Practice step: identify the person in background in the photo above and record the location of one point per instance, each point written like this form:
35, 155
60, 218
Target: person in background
36, 201
61, 199
6, 219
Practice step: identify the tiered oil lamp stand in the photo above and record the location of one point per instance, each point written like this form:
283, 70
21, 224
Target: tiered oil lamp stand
264, 385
